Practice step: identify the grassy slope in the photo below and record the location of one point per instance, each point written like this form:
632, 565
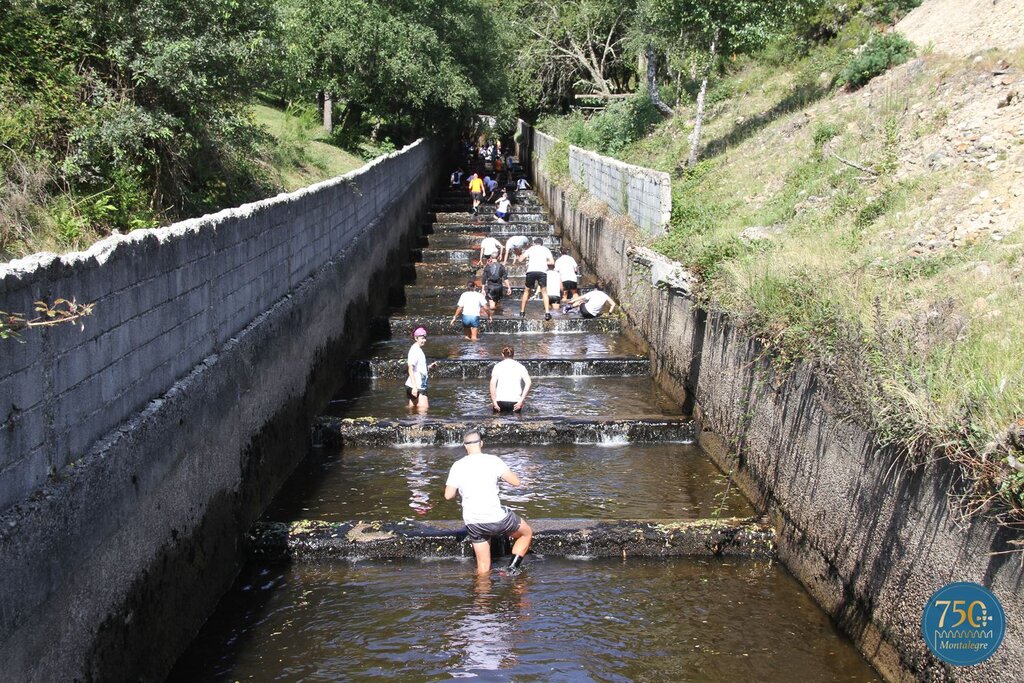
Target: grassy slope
302, 157
905, 286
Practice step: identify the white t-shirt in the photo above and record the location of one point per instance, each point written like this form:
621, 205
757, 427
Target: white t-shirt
521, 184
503, 205
567, 268
594, 301
470, 302
476, 478
490, 246
537, 258
418, 360
510, 376
554, 283
517, 242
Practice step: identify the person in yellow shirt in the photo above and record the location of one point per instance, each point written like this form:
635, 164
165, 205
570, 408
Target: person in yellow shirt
476, 190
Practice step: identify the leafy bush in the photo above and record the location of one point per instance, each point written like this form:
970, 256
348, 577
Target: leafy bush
881, 53
621, 123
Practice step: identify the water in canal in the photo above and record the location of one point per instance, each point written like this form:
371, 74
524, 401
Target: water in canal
564, 618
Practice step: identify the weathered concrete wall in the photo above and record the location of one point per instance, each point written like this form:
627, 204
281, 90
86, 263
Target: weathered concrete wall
869, 539
169, 423
641, 194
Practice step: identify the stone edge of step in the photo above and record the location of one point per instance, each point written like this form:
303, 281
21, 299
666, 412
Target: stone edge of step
409, 539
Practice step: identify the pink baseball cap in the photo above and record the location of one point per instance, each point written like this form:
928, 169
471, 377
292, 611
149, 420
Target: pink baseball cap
419, 332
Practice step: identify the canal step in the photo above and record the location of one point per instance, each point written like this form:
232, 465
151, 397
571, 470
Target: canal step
469, 240
403, 326
460, 210
518, 197
475, 368
652, 480
311, 540
588, 344
522, 215
607, 397
467, 256
460, 270
336, 431
416, 294
493, 228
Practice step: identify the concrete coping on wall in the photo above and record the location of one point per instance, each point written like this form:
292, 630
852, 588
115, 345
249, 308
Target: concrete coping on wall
100, 252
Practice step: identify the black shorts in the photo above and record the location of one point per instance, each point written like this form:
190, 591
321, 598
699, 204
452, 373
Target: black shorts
570, 284
585, 313
481, 533
554, 298
506, 406
495, 293
536, 279
408, 393
477, 195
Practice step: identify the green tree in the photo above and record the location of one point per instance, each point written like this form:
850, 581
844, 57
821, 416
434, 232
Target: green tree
574, 45
700, 31
421, 65
135, 109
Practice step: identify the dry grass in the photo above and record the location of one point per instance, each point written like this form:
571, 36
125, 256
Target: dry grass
903, 283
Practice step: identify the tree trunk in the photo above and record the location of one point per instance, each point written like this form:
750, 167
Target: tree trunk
701, 97
328, 113
652, 82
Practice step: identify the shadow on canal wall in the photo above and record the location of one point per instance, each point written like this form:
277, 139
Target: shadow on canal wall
869, 539
137, 453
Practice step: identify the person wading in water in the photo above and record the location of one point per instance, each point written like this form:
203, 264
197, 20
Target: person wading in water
475, 477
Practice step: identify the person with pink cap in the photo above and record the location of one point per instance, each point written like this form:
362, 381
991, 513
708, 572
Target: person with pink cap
416, 385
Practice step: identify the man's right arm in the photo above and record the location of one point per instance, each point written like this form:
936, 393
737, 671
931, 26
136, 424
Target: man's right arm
510, 477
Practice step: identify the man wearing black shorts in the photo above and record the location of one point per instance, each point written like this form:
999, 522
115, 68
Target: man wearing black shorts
496, 284
537, 259
475, 477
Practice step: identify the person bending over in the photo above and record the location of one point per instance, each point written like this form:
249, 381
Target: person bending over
475, 477
592, 303
510, 383
496, 284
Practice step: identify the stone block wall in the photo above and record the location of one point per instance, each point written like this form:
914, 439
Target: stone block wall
139, 451
641, 194
165, 299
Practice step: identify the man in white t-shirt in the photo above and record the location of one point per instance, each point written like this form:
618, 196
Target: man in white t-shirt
537, 259
510, 383
489, 246
521, 184
592, 303
515, 244
475, 477
569, 273
416, 362
470, 305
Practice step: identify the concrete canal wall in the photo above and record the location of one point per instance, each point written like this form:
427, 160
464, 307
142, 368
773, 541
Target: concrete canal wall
870, 540
641, 194
135, 453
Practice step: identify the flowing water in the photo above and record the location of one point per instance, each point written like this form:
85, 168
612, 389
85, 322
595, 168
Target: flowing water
563, 619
